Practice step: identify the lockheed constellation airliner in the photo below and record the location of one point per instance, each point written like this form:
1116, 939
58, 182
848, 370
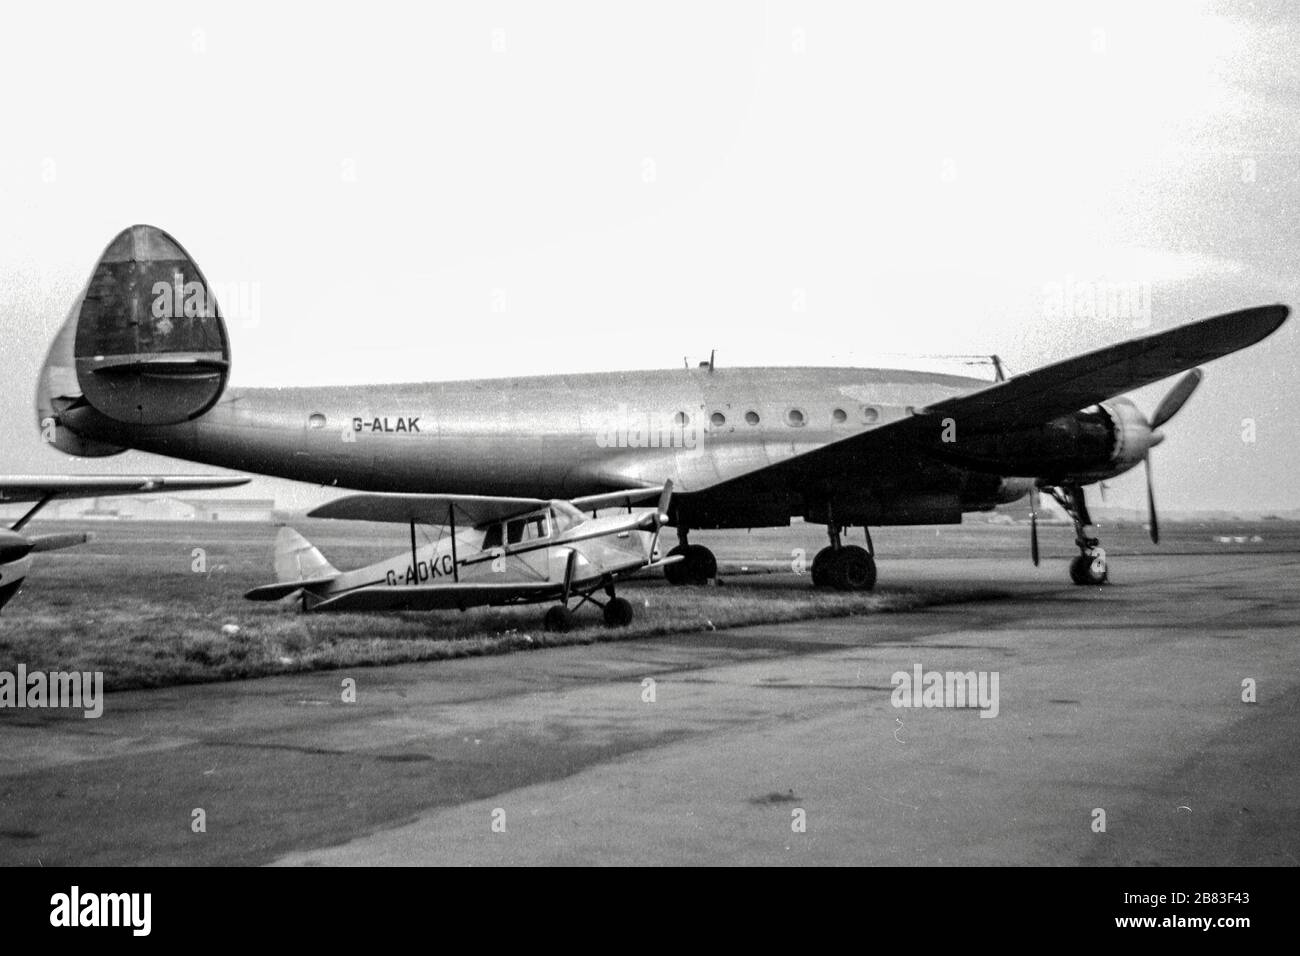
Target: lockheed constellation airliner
143, 362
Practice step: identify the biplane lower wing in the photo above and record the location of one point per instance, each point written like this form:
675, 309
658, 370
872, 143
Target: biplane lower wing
437, 597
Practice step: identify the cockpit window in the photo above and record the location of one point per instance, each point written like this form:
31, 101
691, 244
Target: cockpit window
493, 537
532, 528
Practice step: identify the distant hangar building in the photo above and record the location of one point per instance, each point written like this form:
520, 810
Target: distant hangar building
257, 510
162, 508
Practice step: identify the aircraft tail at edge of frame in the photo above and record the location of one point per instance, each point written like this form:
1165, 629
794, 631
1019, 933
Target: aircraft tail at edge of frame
143, 345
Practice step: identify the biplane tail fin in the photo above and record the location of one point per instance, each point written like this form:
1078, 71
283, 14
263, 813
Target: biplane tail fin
298, 560
298, 565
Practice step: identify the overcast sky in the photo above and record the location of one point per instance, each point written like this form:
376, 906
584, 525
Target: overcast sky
406, 192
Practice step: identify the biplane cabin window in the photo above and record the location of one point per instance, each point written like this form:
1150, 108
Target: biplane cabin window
532, 528
493, 537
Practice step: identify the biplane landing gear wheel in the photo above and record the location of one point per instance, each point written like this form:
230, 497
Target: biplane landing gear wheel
1090, 568
618, 612
558, 619
697, 567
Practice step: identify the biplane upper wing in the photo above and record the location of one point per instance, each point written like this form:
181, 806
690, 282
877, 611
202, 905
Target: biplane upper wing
426, 509
612, 499
1033, 398
469, 509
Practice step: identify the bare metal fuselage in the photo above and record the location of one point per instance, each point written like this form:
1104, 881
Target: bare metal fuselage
550, 436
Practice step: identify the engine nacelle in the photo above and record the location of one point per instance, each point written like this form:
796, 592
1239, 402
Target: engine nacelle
1132, 438
1092, 444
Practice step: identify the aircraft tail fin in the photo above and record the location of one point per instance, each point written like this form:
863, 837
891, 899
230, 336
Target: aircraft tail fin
144, 344
299, 565
298, 560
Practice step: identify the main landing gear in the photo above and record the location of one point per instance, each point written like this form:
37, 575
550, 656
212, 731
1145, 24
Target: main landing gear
697, 567
617, 611
844, 567
1090, 566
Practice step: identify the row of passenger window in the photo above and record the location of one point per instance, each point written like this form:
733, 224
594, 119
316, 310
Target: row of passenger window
794, 417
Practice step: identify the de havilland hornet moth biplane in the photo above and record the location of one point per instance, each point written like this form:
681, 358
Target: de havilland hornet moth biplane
493, 551
16, 549
143, 361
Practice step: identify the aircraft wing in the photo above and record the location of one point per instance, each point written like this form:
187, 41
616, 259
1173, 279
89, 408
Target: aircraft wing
36, 487
1055, 390
435, 597
426, 509
470, 509
611, 499
1034, 398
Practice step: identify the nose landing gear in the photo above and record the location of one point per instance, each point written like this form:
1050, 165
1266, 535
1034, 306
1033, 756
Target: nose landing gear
1089, 568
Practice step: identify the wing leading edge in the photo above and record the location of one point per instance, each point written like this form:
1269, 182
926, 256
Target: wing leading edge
1033, 398
1064, 387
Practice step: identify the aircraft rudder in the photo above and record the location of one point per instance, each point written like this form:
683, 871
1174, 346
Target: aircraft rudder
297, 559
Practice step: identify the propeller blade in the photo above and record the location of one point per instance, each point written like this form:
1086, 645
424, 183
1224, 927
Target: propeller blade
665, 498
661, 515
1180, 393
570, 566
1151, 502
13, 546
1033, 525
53, 542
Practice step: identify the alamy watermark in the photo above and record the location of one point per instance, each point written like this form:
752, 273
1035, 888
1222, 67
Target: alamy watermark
193, 300
80, 690
1127, 301
75, 908
631, 428
963, 689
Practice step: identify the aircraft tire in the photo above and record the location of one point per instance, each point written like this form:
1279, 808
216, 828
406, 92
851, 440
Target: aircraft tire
854, 569
1083, 571
703, 565
821, 567
618, 612
675, 573
558, 619
697, 567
